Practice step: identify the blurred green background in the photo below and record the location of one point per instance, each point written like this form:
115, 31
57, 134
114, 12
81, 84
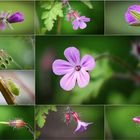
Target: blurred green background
61, 131
27, 9
119, 124
7, 113
103, 88
115, 18
95, 26
21, 49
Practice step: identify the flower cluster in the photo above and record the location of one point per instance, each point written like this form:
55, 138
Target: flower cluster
8, 19
133, 19
73, 16
74, 70
72, 115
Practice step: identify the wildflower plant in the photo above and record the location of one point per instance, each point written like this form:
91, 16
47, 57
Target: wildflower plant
53, 11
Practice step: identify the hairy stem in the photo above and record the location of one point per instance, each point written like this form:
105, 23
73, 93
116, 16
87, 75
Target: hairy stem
6, 93
117, 60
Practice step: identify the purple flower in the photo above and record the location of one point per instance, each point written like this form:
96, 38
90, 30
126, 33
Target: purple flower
16, 17
80, 22
81, 126
74, 70
129, 17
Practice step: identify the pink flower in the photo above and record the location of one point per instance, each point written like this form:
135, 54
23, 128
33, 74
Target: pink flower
80, 21
81, 126
136, 120
74, 70
136, 50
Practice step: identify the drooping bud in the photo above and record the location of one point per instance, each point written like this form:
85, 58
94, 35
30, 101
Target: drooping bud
75, 116
136, 120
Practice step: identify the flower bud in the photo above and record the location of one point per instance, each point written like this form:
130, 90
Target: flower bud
17, 123
16, 17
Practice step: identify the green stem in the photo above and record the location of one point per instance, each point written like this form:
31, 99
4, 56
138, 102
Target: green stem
117, 60
7, 123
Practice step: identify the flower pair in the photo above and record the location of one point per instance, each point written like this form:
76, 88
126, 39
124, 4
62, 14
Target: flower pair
74, 70
8, 19
72, 115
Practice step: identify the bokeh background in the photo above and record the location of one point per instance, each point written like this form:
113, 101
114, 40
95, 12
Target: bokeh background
25, 81
105, 86
27, 9
26, 113
56, 128
96, 26
21, 49
119, 124
115, 20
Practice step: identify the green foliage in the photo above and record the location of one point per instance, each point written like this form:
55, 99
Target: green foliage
13, 87
41, 112
135, 15
52, 11
88, 4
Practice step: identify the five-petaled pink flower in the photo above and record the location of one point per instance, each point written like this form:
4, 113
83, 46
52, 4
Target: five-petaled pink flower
74, 70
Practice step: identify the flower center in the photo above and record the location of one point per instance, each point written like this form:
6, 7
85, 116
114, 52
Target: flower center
78, 68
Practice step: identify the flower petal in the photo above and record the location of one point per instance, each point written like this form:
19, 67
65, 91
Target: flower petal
82, 25
85, 19
88, 62
68, 81
82, 78
75, 24
73, 55
61, 67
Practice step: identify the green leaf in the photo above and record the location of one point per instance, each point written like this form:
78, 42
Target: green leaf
13, 87
135, 15
88, 4
41, 112
51, 13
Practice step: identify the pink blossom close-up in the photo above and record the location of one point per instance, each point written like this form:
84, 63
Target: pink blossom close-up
75, 70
